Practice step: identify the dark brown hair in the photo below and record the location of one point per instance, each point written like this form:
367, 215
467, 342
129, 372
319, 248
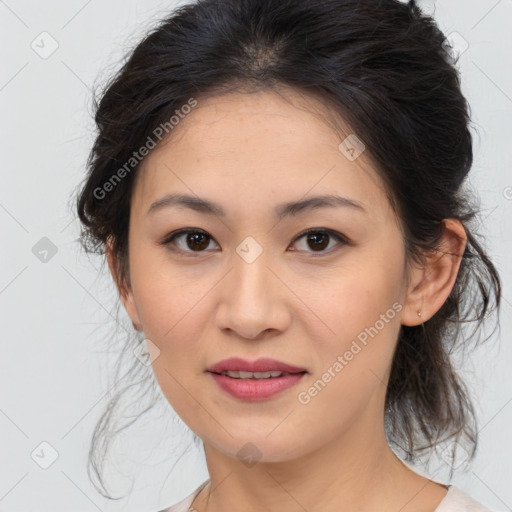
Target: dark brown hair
387, 70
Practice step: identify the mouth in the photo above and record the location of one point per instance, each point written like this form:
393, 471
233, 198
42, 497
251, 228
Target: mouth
255, 381
256, 375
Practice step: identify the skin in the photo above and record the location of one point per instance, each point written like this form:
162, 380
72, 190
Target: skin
248, 153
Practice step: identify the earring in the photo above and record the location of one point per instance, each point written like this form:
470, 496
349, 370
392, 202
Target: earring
419, 314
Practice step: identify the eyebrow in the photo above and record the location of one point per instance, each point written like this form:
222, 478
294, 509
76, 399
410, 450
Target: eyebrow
281, 210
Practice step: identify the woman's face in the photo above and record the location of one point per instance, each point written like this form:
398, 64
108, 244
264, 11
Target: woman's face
254, 286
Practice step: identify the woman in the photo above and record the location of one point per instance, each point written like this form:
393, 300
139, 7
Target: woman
278, 189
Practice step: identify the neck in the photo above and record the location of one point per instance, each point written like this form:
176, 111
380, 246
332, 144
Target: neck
357, 470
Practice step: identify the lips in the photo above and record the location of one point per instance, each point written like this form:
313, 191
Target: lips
255, 381
237, 364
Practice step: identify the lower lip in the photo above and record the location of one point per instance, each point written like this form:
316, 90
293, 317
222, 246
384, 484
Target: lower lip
256, 389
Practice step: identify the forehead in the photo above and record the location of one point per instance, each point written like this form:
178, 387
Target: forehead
252, 145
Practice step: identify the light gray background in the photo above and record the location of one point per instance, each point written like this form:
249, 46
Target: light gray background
56, 314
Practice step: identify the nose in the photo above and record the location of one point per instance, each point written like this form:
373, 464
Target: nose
253, 300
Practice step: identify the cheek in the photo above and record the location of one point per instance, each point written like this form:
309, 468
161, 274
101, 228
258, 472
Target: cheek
361, 307
353, 363
173, 316
165, 293
173, 308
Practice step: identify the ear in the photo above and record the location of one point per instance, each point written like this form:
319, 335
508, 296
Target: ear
124, 289
432, 283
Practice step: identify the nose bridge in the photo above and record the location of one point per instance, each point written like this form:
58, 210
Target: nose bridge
251, 275
251, 303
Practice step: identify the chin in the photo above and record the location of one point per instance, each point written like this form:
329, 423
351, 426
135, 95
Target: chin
258, 448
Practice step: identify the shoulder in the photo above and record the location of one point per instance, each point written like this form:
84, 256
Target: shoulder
457, 500
184, 504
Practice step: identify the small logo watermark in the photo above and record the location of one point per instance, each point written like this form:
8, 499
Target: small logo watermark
455, 455
352, 147
249, 454
455, 44
44, 250
146, 352
249, 249
45, 45
44, 455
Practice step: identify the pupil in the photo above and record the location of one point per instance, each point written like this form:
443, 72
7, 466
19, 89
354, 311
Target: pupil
314, 238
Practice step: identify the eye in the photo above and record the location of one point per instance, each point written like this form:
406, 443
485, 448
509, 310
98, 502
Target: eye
319, 239
193, 239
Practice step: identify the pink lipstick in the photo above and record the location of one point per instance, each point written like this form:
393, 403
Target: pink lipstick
255, 380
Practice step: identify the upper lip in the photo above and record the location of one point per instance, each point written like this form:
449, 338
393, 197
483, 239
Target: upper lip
260, 365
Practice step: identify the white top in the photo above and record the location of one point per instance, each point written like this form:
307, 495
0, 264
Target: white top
454, 501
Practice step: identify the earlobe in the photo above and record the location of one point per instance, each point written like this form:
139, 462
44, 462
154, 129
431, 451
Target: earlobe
432, 283
124, 290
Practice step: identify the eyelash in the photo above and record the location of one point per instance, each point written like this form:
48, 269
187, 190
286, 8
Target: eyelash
334, 234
